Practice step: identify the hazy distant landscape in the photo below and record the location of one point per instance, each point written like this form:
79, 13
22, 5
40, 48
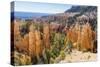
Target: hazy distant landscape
28, 15
47, 38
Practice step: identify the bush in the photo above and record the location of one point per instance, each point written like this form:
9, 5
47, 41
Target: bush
52, 60
62, 55
21, 59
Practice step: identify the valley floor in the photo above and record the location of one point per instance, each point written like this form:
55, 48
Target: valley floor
78, 56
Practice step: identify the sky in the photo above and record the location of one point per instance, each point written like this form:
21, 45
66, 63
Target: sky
40, 7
